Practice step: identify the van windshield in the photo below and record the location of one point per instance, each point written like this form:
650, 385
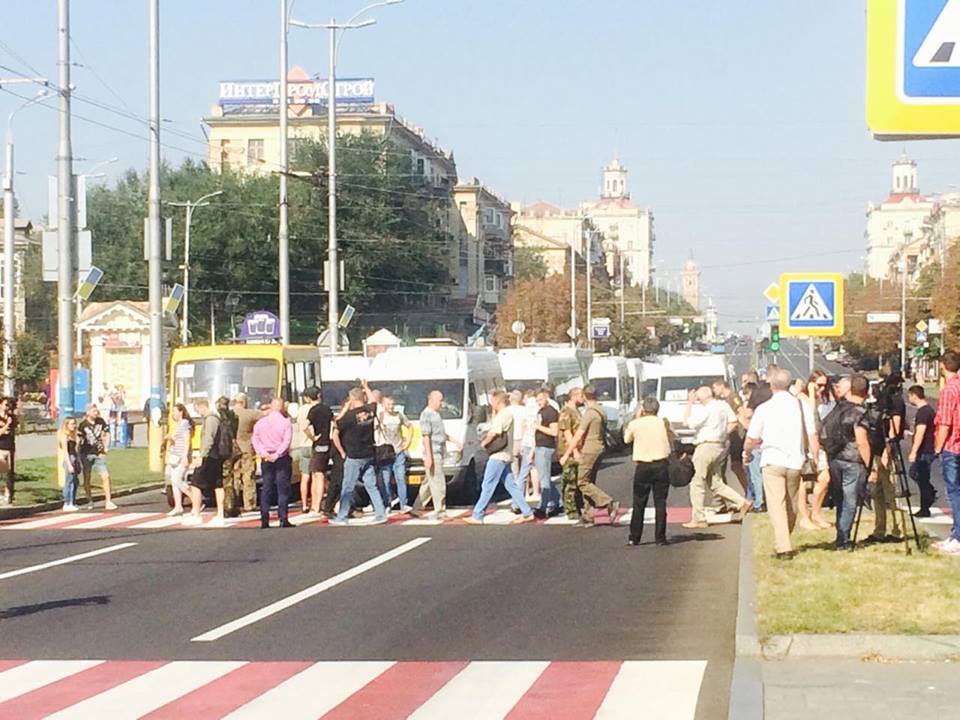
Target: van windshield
335, 392
606, 389
649, 388
523, 385
410, 396
677, 389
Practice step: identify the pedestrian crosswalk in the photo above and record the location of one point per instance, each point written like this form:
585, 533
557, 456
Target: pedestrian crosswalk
119, 520
350, 690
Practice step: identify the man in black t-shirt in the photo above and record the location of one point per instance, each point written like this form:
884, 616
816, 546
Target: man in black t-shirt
545, 442
319, 419
922, 453
94, 443
356, 427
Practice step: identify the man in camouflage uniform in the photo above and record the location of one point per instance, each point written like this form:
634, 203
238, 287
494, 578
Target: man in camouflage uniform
231, 480
569, 455
244, 468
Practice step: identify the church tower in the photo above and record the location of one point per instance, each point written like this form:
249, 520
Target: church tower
904, 176
691, 283
615, 180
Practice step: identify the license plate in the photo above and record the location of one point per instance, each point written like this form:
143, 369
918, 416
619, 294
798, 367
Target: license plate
414, 479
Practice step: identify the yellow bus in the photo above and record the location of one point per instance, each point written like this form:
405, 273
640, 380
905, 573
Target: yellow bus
259, 371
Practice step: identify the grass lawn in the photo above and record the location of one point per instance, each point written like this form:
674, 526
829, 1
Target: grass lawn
37, 479
875, 589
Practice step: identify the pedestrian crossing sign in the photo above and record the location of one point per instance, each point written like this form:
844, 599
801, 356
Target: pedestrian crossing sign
811, 304
913, 68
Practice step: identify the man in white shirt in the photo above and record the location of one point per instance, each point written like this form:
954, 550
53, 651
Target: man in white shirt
786, 431
713, 421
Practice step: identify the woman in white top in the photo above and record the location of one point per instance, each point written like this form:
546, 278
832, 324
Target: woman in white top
178, 456
819, 396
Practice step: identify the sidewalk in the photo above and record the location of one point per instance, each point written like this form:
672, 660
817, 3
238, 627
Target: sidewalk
800, 689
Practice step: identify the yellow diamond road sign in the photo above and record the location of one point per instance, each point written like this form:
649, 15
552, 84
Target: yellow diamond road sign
922, 326
772, 293
913, 68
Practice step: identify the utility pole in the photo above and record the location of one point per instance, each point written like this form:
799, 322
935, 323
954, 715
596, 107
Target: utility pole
573, 293
283, 250
9, 239
907, 237
588, 259
154, 268
623, 292
812, 360
65, 213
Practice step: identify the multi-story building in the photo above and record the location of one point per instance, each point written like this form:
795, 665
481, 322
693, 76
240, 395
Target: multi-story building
22, 229
625, 226
484, 258
905, 209
928, 244
550, 232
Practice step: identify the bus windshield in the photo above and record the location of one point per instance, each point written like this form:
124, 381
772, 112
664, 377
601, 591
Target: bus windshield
335, 392
677, 389
411, 396
227, 377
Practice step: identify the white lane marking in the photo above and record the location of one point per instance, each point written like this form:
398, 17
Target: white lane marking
305, 594
47, 521
113, 520
312, 693
666, 690
141, 695
432, 521
560, 520
500, 517
64, 561
157, 524
32, 675
482, 690
304, 519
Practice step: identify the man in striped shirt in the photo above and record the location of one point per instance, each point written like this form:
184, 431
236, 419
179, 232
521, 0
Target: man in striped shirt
947, 444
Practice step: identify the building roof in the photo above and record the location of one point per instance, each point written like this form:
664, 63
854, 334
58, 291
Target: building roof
22, 225
95, 309
540, 209
895, 198
614, 203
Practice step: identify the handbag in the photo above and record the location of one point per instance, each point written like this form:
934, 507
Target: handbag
680, 470
808, 468
498, 444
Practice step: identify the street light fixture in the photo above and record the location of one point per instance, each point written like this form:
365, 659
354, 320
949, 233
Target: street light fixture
9, 218
333, 264
190, 207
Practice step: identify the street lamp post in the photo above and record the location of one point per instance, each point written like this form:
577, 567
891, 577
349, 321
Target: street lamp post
333, 264
283, 236
907, 237
190, 207
9, 217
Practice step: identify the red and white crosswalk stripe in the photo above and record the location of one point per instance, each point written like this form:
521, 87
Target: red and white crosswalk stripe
495, 516
349, 690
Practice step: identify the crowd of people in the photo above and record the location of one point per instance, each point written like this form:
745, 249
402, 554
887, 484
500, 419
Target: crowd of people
794, 445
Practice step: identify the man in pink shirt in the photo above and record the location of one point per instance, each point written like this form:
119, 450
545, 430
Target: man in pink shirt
271, 443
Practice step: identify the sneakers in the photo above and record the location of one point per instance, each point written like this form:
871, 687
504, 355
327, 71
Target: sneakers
948, 547
583, 524
191, 520
70, 508
378, 521
337, 522
406, 509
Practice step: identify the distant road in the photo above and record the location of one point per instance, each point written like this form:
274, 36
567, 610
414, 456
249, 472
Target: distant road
793, 356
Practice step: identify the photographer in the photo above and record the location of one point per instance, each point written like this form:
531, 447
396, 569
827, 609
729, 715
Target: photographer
888, 421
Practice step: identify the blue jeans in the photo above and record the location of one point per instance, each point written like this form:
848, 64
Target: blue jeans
69, 484
360, 469
849, 480
950, 465
498, 471
920, 472
397, 470
549, 493
755, 491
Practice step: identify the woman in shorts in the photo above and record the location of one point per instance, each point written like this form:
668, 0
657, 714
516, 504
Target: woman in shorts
178, 456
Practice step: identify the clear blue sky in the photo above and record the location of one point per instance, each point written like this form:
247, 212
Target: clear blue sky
741, 123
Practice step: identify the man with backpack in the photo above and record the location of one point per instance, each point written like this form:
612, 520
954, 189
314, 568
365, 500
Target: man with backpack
208, 465
845, 436
590, 440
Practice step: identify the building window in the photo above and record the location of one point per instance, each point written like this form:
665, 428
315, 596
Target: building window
420, 166
224, 153
254, 152
490, 283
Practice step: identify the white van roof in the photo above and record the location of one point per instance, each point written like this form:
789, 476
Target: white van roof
433, 363
607, 366
343, 367
701, 365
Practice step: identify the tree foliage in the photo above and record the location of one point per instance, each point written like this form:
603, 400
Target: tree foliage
30, 363
390, 236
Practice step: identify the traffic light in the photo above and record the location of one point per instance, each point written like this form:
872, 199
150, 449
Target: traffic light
774, 338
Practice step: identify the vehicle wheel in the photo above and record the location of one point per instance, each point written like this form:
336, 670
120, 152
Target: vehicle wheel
464, 488
169, 491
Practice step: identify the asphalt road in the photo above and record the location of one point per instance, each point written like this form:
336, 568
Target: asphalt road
793, 356
531, 593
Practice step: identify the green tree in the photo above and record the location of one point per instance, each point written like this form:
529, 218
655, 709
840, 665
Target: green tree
30, 362
528, 264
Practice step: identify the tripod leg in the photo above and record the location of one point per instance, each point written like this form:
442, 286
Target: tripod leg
861, 497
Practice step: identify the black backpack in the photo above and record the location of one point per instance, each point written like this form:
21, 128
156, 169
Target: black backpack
222, 442
834, 435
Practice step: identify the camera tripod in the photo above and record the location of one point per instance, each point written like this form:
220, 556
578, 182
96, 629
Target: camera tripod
898, 474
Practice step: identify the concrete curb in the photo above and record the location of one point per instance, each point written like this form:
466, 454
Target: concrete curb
936, 648
746, 685
12, 513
